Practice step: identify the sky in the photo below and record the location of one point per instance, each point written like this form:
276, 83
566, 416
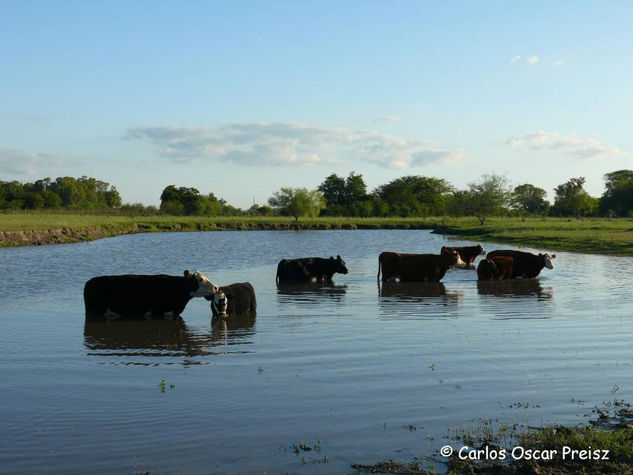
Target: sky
241, 98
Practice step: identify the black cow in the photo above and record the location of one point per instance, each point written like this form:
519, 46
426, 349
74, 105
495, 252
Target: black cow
466, 253
416, 267
308, 268
128, 296
233, 299
526, 264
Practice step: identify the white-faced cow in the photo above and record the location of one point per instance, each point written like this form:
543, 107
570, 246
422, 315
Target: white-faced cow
308, 268
233, 299
143, 296
416, 267
466, 253
525, 264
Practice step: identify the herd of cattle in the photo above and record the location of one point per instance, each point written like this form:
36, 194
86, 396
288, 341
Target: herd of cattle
133, 296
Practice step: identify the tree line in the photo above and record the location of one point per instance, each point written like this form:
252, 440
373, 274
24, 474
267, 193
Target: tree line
420, 196
407, 196
64, 192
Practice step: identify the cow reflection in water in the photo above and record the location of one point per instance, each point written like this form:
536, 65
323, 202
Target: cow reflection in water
145, 340
310, 292
226, 328
523, 299
422, 299
514, 288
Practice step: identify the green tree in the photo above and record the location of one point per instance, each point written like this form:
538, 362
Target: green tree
460, 204
572, 199
529, 199
489, 196
345, 197
51, 199
333, 190
415, 196
618, 196
297, 202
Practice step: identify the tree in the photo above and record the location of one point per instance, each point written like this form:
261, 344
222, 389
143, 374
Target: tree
489, 196
529, 199
355, 189
188, 201
460, 204
415, 195
572, 200
297, 202
618, 196
333, 190
345, 196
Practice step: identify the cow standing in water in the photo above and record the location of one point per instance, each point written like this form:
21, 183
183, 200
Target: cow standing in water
466, 253
233, 299
526, 264
308, 268
495, 268
137, 296
416, 267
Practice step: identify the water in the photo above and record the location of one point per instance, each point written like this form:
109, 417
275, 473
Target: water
357, 376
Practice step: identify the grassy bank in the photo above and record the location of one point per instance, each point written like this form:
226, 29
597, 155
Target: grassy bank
603, 444
595, 235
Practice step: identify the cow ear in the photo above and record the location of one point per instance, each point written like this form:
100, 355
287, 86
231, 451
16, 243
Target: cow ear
553, 256
187, 273
338, 257
331, 258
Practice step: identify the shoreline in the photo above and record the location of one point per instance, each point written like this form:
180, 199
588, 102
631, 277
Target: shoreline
596, 236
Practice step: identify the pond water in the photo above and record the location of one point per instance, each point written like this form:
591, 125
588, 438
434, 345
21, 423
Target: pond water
356, 375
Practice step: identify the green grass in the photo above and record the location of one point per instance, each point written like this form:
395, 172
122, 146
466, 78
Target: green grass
594, 235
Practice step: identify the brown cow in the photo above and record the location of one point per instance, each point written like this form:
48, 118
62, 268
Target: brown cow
495, 268
416, 267
466, 253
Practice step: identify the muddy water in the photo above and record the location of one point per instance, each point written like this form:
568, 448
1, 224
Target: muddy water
356, 374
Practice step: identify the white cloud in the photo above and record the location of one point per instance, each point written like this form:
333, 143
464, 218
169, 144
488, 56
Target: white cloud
27, 163
515, 59
558, 63
587, 149
444, 157
385, 118
532, 60
290, 144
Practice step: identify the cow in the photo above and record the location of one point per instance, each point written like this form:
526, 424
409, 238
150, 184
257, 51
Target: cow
233, 299
416, 267
143, 296
308, 268
495, 268
466, 253
526, 264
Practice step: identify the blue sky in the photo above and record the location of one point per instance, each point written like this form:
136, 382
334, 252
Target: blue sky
242, 98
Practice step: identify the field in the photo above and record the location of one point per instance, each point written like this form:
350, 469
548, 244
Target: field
593, 235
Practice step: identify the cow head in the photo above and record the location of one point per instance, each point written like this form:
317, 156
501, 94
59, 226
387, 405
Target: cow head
547, 260
338, 265
455, 259
219, 304
481, 250
199, 284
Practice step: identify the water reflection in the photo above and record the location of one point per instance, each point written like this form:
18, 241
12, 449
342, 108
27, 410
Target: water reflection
417, 299
233, 328
165, 338
521, 299
311, 292
514, 288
